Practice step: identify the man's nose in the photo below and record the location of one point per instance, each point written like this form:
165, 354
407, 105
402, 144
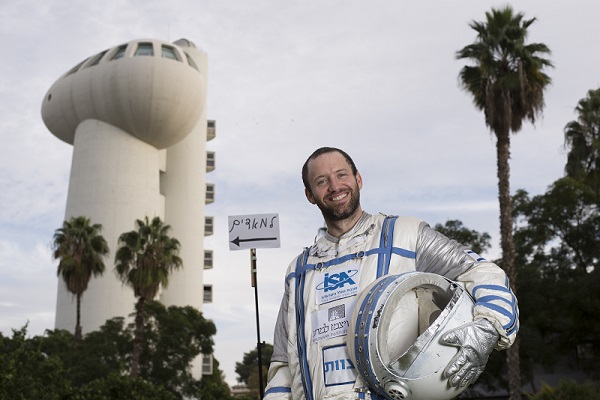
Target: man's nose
334, 184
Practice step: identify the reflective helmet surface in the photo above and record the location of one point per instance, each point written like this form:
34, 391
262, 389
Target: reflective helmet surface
393, 336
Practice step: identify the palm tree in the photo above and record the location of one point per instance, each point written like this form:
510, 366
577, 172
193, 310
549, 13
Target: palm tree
80, 248
144, 259
507, 83
583, 138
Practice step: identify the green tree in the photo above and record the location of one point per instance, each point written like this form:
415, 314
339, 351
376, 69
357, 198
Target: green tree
144, 260
568, 390
80, 248
247, 370
582, 138
507, 83
213, 387
121, 387
454, 229
175, 338
557, 248
28, 373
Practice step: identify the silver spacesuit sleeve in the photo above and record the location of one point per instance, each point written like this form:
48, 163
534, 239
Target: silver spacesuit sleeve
485, 281
279, 380
440, 255
280, 338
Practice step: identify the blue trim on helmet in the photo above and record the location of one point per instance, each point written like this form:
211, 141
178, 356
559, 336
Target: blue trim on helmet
361, 341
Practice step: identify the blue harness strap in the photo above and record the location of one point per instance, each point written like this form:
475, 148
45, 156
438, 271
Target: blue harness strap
385, 243
300, 320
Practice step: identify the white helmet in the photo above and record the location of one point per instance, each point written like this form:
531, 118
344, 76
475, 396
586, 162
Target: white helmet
393, 336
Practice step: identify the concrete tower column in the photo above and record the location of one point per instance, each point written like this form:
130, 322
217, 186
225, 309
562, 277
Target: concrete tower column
115, 180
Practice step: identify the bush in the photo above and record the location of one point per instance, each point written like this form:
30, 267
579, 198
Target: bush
568, 390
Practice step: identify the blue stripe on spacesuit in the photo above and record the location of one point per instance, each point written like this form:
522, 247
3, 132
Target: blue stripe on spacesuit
300, 336
278, 389
387, 232
348, 257
486, 301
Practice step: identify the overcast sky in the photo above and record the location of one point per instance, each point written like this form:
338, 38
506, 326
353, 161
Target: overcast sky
376, 78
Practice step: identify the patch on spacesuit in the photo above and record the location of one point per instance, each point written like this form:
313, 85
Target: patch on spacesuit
474, 256
331, 322
336, 283
337, 367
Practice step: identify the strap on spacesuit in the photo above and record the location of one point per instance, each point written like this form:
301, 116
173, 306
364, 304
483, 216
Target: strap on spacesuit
385, 243
300, 318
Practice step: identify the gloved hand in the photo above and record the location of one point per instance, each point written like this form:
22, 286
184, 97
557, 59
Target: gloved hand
476, 341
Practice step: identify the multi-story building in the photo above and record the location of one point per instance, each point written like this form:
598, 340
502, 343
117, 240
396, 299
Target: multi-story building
136, 117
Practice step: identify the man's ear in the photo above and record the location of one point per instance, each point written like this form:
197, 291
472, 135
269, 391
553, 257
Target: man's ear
309, 196
358, 180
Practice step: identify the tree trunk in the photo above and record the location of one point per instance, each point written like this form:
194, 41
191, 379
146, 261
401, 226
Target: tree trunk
78, 334
137, 338
508, 251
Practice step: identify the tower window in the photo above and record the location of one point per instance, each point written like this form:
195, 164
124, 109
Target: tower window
208, 259
76, 68
210, 193
207, 362
208, 226
210, 161
96, 59
144, 49
120, 52
208, 294
191, 61
169, 52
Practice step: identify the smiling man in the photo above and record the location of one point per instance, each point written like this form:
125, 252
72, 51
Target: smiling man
310, 358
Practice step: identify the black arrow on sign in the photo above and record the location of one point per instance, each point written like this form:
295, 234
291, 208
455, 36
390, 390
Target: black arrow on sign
237, 240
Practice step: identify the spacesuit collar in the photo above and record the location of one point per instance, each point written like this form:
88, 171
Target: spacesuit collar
358, 228
329, 245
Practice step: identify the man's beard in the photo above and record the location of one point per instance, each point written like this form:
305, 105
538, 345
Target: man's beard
333, 214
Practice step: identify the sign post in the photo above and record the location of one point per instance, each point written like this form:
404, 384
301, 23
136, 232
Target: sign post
250, 232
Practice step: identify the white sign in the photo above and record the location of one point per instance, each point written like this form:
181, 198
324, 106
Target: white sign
253, 231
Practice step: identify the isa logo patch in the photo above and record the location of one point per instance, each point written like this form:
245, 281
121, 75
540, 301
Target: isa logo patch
337, 283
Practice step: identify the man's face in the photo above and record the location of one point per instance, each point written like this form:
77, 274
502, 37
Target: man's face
333, 187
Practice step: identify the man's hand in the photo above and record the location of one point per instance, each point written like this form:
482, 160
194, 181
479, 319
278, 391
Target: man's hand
476, 341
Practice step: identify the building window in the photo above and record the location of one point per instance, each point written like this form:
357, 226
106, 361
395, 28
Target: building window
169, 52
76, 68
207, 363
210, 161
208, 226
211, 131
144, 49
120, 52
191, 61
210, 193
208, 259
96, 59
208, 294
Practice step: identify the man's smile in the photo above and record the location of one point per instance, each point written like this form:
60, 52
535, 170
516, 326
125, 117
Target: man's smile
338, 196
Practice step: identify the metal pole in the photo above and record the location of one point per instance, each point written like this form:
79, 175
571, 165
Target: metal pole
258, 343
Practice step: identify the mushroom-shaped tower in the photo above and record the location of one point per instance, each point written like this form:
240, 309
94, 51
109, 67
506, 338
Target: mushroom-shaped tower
136, 117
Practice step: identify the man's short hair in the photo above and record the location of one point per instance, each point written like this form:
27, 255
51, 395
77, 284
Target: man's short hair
317, 153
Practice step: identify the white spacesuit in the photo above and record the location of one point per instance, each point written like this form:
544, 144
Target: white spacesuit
310, 359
